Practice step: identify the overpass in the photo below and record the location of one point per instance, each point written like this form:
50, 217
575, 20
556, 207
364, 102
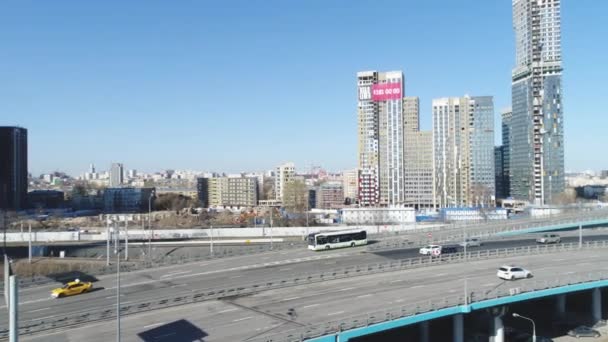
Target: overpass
496, 229
219, 296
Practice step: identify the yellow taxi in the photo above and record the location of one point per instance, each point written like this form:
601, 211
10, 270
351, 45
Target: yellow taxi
72, 288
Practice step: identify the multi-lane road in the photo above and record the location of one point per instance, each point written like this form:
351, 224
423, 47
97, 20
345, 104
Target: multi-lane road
241, 318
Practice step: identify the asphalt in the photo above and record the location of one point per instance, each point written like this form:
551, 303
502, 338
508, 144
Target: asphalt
267, 312
174, 280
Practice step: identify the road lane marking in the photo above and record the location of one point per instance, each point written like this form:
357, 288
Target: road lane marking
152, 325
347, 289
488, 284
310, 306
365, 295
397, 281
40, 309
335, 313
243, 319
416, 286
178, 285
234, 277
292, 298
285, 269
227, 310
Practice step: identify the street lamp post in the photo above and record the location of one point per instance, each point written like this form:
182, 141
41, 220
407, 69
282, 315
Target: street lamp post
516, 315
117, 252
150, 225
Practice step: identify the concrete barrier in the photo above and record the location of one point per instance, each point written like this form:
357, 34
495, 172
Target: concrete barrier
99, 234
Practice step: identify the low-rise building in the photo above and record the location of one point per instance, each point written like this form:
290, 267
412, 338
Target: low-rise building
127, 200
390, 215
49, 199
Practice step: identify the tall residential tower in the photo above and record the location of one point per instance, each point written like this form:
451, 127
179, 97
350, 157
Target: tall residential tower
536, 149
463, 143
380, 114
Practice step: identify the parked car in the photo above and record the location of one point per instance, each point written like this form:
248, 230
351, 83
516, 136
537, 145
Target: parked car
513, 272
427, 250
549, 238
584, 331
472, 242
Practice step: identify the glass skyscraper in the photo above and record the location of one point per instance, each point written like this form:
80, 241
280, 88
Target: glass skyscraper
536, 148
13, 168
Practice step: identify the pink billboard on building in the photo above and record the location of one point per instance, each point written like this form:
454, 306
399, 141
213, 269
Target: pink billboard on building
386, 91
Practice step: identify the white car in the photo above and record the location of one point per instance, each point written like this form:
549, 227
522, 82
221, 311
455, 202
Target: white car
428, 250
549, 238
513, 272
472, 242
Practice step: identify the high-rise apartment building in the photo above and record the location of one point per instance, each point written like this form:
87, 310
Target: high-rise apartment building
536, 159
505, 172
418, 158
13, 168
116, 175
330, 196
380, 116
463, 142
284, 174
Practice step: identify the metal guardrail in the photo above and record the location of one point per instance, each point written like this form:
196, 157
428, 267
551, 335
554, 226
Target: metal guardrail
86, 316
25, 282
457, 233
412, 309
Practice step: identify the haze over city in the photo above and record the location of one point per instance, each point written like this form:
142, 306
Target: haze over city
244, 86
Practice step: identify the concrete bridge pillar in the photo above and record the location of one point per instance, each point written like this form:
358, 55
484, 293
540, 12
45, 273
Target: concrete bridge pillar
458, 328
498, 335
596, 304
498, 329
560, 306
424, 331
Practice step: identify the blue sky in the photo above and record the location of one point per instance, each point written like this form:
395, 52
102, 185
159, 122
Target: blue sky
246, 85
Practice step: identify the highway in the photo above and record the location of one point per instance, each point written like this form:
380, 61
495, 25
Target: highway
136, 286
246, 317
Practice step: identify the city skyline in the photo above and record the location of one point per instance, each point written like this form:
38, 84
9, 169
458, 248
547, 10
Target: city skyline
170, 107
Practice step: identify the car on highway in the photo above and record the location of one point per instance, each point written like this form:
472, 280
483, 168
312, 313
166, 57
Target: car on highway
430, 249
472, 242
584, 331
72, 288
549, 238
513, 272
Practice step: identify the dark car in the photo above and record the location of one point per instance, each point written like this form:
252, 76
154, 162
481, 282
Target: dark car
584, 331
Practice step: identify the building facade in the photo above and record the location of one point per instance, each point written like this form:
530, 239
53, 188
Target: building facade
13, 168
378, 216
329, 196
380, 121
284, 174
418, 158
127, 200
349, 185
116, 175
227, 192
463, 155
536, 160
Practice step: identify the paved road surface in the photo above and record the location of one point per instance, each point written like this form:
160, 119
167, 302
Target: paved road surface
246, 317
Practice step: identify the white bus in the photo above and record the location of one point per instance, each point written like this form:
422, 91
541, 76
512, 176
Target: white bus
339, 239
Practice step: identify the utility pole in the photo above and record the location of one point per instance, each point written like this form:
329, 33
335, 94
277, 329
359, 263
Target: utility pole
126, 238
13, 317
117, 252
580, 236
211, 235
29, 243
107, 241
